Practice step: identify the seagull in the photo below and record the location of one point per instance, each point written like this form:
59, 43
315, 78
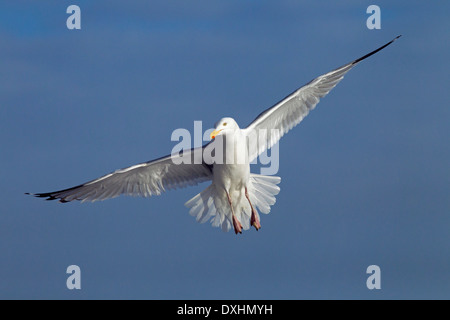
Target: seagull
235, 195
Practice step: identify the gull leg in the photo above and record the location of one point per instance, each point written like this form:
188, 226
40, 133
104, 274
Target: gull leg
254, 221
236, 224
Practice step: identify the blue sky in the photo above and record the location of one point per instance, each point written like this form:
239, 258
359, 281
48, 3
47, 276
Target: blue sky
365, 177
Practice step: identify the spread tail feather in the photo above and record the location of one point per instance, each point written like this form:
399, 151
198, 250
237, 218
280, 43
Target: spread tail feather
211, 204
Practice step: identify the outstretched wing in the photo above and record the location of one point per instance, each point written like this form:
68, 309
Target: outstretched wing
286, 114
145, 179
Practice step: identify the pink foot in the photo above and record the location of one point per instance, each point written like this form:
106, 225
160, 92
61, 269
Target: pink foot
237, 225
255, 221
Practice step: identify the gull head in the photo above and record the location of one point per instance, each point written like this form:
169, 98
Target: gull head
224, 126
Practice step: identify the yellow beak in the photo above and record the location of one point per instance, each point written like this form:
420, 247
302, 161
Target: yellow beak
215, 133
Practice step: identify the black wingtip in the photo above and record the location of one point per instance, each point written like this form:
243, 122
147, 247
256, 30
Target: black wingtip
396, 38
375, 51
37, 195
49, 196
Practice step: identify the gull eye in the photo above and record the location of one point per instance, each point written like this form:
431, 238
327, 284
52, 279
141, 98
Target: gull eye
224, 124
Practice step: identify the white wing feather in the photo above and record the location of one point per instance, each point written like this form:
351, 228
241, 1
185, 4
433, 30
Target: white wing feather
145, 179
268, 128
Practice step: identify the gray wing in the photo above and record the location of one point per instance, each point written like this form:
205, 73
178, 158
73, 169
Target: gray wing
286, 114
145, 179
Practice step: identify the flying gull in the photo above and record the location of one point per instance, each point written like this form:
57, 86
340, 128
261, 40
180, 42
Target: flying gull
235, 195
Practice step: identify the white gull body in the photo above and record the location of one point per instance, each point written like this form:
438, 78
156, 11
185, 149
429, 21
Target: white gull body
235, 194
